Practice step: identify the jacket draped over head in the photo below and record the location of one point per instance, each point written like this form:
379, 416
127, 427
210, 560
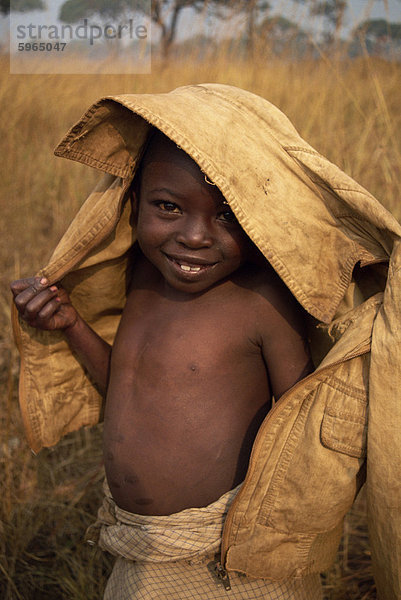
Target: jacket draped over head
338, 251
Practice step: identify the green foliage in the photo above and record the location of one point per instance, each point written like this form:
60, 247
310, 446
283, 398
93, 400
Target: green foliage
243, 4
332, 10
374, 29
247, 6
75, 10
279, 23
377, 37
283, 36
21, 5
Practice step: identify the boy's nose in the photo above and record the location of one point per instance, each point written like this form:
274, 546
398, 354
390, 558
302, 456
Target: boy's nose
195, 233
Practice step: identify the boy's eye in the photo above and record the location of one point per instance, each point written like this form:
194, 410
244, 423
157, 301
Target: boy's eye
168, 207
228, 216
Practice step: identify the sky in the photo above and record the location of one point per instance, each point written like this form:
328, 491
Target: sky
358, 11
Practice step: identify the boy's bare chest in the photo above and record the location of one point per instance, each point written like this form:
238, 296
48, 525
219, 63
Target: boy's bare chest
185, 338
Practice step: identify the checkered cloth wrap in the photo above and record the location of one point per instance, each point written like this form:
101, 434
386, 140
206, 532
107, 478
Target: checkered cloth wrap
174, 558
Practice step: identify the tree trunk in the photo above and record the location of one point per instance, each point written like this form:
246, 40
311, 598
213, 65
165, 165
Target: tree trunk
250, 26
168, 32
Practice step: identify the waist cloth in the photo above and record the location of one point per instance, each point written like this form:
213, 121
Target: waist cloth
175, 557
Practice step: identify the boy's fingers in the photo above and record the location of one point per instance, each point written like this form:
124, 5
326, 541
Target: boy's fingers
35, 284
48, 309
20, 285
34, 306
29, 302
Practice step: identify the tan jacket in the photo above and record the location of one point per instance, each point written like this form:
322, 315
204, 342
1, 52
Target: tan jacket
313, 223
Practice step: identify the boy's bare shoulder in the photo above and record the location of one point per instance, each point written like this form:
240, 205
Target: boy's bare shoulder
278, 327
265, 287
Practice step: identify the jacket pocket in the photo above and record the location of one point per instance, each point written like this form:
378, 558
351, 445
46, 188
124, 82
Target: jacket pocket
344, 424
321, 465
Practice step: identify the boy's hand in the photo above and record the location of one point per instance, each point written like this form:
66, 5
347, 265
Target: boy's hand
42, 306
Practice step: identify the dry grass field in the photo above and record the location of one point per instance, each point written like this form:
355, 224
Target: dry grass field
348, 110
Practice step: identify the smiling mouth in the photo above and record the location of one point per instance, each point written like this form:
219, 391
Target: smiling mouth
187, 268
190, 267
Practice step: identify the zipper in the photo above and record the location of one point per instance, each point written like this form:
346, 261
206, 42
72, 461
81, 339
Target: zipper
222, 574
254, 454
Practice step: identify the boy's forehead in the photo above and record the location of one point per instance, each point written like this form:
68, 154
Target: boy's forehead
161, 149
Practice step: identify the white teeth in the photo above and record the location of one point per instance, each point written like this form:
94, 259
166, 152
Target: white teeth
188, 268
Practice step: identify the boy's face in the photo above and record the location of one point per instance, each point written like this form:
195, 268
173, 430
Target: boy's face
184, 226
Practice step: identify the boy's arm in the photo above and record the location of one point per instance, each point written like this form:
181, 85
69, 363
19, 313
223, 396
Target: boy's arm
50, 308
284, 339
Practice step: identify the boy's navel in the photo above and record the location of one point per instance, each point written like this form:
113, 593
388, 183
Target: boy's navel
131, 479
143, 501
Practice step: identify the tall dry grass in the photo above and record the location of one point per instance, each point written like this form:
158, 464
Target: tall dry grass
348, 110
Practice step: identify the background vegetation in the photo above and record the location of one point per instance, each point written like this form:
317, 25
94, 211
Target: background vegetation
347, 109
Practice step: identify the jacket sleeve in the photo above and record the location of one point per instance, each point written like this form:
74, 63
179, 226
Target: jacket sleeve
384, 438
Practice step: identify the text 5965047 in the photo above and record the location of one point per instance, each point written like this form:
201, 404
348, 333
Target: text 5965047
41, 46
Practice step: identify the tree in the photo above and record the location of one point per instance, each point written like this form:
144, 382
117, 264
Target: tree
332, 11
283, 36
73, 11
21, 5
164, 13
377, 36
252, 9
375, 29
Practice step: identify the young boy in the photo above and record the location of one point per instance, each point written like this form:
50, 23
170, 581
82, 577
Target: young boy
208, 335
